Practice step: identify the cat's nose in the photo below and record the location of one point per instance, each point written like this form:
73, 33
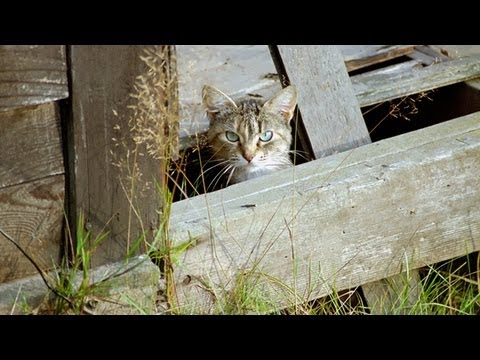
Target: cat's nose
248, 157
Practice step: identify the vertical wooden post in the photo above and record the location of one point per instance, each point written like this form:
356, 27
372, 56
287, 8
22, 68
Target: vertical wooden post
102, 81
331, 120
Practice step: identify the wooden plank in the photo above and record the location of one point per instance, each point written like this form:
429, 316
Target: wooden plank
236, 69
32, 75
360, 56
30, 144
388, 87
341, 221
427, 55
330, 114
102, 80
33, 215
459, 51
456, 51
388, 71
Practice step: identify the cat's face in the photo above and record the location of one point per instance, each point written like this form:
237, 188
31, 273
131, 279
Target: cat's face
250, 139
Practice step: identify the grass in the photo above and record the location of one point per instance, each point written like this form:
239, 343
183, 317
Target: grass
450, 289
71, 287
74, 296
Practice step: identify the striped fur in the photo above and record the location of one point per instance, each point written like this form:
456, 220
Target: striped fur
251, 121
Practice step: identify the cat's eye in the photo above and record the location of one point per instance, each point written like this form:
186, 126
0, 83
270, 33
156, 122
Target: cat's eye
231, 136
266, 136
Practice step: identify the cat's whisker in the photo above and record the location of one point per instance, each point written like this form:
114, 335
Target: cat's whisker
230, 176
303, 154
220, 175
221, 163
200, 179
226, 166
211, 185
296, 151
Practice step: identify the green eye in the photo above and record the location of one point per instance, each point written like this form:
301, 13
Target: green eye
231, 136
266, 136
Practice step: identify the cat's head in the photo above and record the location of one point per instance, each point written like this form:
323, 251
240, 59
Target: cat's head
250, 137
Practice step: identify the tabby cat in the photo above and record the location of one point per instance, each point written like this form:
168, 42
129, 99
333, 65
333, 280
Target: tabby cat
249, 139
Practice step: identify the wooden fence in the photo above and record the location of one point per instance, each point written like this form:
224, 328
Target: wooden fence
358, 214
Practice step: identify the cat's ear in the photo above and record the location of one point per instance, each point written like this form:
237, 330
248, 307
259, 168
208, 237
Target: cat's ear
283, 103
214, 100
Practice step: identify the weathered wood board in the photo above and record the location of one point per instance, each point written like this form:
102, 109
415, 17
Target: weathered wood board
31, 213
384, 73
30, 144
459, 51
32, 187
341, 221
384, 88
32, 75
360, 56
102, 82
331, 117
427, 55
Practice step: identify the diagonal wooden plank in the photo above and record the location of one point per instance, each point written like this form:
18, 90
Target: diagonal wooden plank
330, 113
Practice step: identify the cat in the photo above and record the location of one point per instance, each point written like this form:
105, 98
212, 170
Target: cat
249, 138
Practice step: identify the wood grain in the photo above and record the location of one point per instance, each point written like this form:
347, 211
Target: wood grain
330, 114
103, 79
389, 87
30, 144
387, 71
32, 75
360, 56
341, 221
33, 215
459, 51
